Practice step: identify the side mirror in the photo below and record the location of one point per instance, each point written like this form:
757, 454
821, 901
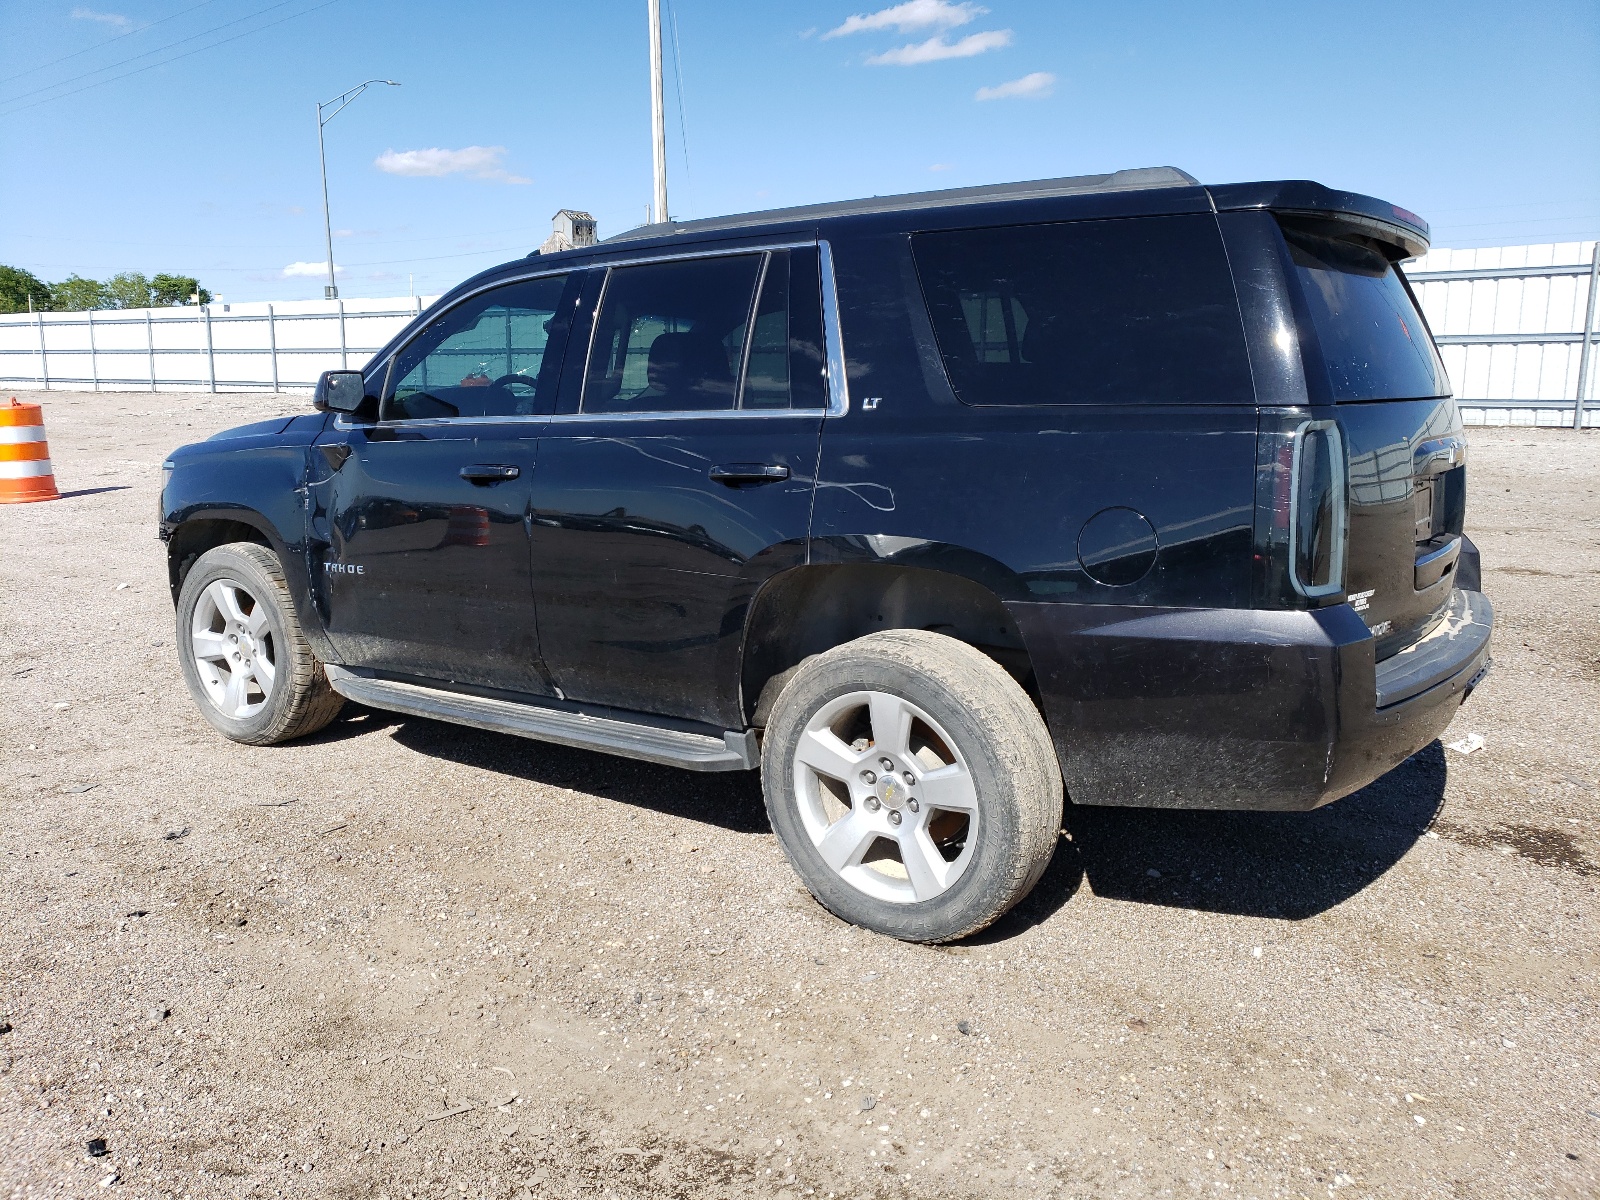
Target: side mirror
340, 392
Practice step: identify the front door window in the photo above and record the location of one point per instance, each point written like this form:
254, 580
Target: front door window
482, 358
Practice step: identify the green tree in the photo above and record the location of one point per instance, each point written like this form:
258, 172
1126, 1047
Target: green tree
129, 289
17, 287
77, 294
176, 289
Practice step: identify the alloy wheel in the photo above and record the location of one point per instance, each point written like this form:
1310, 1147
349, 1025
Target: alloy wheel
233, 647
886, 796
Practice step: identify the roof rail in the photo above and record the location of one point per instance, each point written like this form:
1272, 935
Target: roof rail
1135, 179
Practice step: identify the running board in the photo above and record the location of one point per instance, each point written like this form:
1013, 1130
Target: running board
651, 743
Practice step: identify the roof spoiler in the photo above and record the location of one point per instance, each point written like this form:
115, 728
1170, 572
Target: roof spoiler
1400, 232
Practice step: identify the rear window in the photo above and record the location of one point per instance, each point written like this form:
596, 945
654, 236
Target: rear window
1137, 311
1374, 344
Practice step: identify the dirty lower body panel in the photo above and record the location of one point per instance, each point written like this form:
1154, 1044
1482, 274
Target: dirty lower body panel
1241, 708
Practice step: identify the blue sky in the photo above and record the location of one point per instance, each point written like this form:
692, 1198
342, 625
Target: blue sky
1482, 116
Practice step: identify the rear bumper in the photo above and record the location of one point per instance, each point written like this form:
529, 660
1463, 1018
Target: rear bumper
1241, 708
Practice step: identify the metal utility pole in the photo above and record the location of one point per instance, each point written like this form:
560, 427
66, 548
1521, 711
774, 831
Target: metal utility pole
338, 104
1586, 354
658, 116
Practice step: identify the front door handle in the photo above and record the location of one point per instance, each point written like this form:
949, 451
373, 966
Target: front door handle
746, 474
486, 473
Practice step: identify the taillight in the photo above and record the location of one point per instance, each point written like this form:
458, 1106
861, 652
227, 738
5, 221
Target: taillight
1302, 509
1319, 511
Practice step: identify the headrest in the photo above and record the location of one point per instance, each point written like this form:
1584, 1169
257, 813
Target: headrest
683, 362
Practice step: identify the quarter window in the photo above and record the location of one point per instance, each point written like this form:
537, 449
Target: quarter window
485, 357
1090, 312
785, 367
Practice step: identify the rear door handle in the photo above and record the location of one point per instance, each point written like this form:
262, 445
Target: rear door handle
742, 474
483, 473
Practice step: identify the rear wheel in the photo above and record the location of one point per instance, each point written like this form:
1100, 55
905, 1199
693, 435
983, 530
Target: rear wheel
245, 658
912, 784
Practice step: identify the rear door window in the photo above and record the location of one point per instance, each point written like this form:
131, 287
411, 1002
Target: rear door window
485, 357
709, 334
670, 336
1371, 341
1140, 311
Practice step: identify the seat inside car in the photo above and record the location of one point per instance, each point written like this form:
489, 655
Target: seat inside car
688, 370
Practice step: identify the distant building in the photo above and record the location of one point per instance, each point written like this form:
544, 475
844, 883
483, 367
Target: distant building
571, 228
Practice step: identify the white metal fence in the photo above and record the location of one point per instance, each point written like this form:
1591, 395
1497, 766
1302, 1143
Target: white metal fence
215, 347
1515, 324
1516, 329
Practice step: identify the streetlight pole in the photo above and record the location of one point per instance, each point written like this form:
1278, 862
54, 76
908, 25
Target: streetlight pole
338, 104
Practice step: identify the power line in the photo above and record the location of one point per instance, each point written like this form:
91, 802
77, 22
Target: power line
147, 53
164, 62
115, 38
683, 126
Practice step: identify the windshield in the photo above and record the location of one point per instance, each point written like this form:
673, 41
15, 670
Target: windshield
1374, 343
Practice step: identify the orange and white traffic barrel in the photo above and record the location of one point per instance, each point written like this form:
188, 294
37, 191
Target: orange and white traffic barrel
25, 473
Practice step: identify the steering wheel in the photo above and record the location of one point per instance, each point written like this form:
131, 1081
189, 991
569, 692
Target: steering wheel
506, 381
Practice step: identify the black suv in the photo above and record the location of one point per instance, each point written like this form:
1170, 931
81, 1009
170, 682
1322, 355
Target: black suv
935, 508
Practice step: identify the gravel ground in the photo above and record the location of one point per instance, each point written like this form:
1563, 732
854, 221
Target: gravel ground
406, 959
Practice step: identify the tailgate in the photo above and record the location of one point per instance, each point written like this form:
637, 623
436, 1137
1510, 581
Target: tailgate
1407, 500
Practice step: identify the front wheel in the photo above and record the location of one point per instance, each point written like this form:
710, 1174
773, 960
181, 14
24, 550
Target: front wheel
912, 784
245, 658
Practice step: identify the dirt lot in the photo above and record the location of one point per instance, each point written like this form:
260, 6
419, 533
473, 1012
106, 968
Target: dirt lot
406, 959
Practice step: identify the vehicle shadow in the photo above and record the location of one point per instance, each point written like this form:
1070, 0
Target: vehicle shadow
730, 800
1285, 865
354, 720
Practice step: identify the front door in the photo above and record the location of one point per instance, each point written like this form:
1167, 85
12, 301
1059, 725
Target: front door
423, 513
681, 482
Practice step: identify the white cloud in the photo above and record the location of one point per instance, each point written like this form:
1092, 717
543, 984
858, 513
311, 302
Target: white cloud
913, 14
1036, 86
937, 48
314, 270
941, 166
115, 20
480, 162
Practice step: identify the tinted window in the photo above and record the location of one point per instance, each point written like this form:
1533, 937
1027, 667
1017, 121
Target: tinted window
1092, 312
1374, 344
785, 365
670, 337
482, 358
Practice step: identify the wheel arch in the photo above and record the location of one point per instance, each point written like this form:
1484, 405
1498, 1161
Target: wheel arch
809, 609
206, 529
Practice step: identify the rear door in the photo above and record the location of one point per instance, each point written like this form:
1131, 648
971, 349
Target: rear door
681, 480
423, 517
1368, 351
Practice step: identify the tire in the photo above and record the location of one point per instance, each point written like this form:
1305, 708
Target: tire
963, 825
245, 657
